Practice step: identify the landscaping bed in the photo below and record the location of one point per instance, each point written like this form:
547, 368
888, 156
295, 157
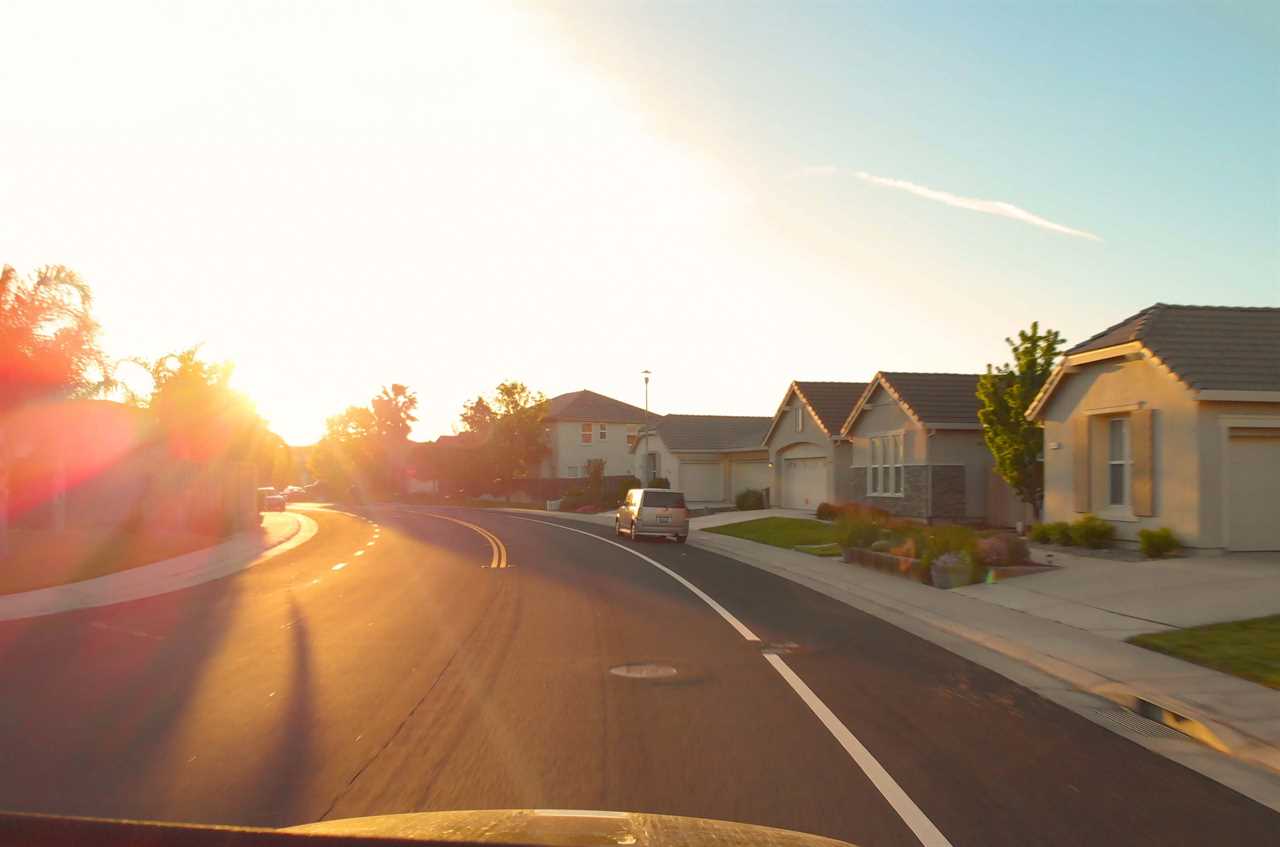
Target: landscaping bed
1249, 649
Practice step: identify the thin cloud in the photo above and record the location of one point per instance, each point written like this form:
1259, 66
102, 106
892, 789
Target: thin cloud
973, 204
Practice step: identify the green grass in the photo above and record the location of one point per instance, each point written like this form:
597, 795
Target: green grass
1248, 648
781, 532
831, 549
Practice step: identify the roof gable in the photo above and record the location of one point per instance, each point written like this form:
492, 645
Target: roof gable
1206, 348
826, 402
929, 399
588, 406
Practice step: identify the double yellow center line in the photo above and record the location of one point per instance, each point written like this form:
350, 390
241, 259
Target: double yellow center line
499, 549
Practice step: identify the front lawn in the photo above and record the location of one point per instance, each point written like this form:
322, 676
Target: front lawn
43, 558
1248, 648
780, 532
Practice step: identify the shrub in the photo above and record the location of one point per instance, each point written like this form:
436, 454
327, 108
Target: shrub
828, 511
947, 538
659, 482
884, 545
1158, 543
624, 485
1093, 532
752, 498
999, 551
856, 532
1059, 533
1039, 533
908, 547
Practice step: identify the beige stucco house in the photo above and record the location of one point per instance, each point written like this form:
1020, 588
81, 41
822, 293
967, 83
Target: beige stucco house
809, 461
711, 458
1170, 418
916, 450
583, 426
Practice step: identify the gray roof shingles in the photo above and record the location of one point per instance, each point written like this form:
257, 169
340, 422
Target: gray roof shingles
1212, 348
592, 407
712, 432
831, 401
938, 398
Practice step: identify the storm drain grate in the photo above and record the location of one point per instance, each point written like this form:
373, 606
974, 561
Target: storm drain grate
1127, 721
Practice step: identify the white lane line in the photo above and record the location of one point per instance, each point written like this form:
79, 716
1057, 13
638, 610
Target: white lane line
358, 553
906, 808
371, 543
720, 610
339, 566
908, 811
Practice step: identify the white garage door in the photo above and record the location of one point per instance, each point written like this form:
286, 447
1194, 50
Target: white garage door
804, 483
702, 481
753, 474
1253, 489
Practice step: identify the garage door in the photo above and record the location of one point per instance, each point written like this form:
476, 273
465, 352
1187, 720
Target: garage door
1253, 489
804, 483
753, 474
702, 481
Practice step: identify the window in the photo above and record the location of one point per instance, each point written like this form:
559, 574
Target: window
603, 432
631, 436
884, 471
573, 471
663, 500
586, 433
799, 418
1118, 461
652, 463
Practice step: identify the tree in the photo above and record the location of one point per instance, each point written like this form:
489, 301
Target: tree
515, 440
48, 338
1004, 395
368, 446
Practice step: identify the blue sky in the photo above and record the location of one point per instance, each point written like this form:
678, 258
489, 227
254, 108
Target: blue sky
734, 195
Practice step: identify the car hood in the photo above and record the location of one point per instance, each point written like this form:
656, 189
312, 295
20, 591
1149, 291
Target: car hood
565, 828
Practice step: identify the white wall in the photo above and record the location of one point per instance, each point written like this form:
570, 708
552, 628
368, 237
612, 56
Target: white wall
568, 451
811, 442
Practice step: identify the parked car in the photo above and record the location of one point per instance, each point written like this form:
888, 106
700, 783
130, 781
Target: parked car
653, 511
294, 493
270, 500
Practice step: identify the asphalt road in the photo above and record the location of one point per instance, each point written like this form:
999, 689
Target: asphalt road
416, 677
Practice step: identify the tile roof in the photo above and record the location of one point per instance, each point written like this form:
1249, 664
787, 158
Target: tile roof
831, 401
712, 432
592, 407
1214, 348
937, 398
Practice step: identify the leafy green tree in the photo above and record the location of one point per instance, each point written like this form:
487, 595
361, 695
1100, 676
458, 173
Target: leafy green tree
368, 446
514, 436
1004, 394
477, 415
205, 420
48, 338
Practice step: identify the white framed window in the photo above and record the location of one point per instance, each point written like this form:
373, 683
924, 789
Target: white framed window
884, 468
799, 418
1119, 461
586, 433
603, 432
573, 470
631, 436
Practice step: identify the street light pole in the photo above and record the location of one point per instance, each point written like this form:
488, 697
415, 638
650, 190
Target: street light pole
648, 479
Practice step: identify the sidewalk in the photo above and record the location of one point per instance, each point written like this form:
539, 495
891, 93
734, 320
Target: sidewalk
1228, 713
1121, 599
282, 531
722, 518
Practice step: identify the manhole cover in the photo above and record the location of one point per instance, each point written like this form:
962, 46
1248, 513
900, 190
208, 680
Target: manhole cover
644, 670
779, 648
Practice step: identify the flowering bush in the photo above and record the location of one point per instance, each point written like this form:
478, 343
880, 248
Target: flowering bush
998, 551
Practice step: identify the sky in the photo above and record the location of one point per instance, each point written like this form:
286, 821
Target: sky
338, 196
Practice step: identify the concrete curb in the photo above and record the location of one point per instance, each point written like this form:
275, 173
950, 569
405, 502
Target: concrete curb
1155, 706
190, 569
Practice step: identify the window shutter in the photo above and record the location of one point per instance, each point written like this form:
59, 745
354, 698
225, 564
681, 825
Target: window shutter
1142, 452
1080, 455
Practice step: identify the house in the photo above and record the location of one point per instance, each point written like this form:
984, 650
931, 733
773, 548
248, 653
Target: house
584, 426
916, 450
1170, 418
711, 458
809, 463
